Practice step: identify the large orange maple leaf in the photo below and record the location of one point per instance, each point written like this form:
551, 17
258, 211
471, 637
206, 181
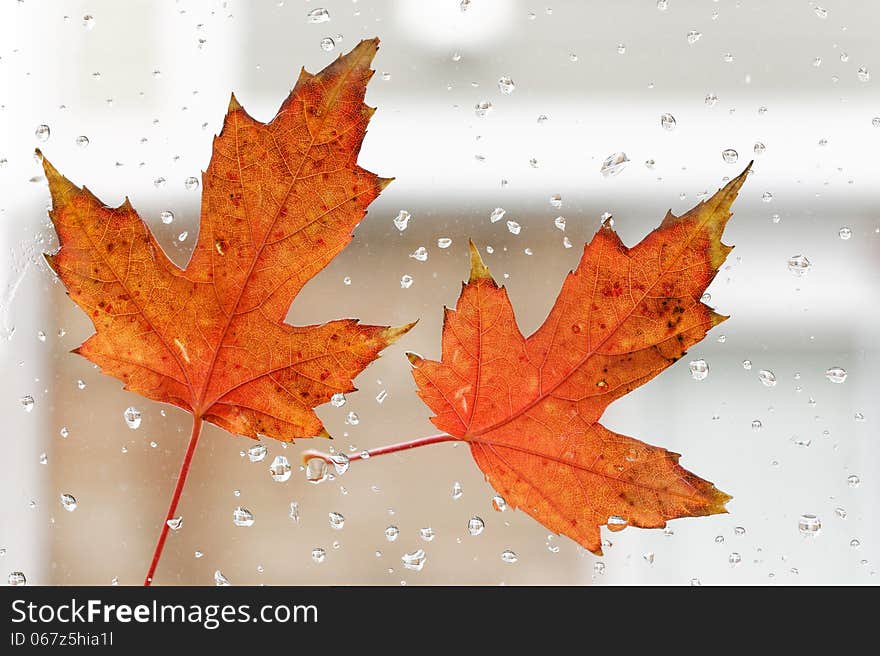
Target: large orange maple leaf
280, 200
530, 407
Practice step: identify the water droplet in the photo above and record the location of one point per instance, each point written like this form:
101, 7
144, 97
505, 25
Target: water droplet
406, 281
497, 214
391, 533
616, 523
498, 503
649, 557
667, 121
759, 148
559, 222
159, 182
88, 21
747, 364
44, 459
730, 155
762, 110
734, 559
337, 400
68, 502
767, 377
699, 369
182, 236
81, 384
556, 201
775, 218
817, 62
853, 481
863, 74
533, 163
481, 109
836, 374
799, 265
693, 36
293, 513
327, 44
420, 254
476, 525
191, 183
280, 469
27, 402
167, 216
711, 99
319, 15
337, 521
414, 560
809, 524
614, 164
341, 463
241, 516
16, 579
444, 242
132, 417
175, 523
457, 492
509, 557
64, 432
352, 418
506, 86
42, 133
82, 141
346, 280
821, 12
257, 452
401, 221
845, 233
543, 118
319, 555
757, 425
514, 227
840, 512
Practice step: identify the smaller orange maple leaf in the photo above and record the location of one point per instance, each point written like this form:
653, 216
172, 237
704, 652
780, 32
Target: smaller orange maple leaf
529, 407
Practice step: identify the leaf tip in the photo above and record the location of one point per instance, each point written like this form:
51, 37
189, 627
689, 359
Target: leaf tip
414, 358
383, 183
479, 271
392, 334
234, 105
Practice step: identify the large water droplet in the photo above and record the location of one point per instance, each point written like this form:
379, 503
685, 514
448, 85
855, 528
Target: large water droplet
667, 121
414, 560
132, 417
328, 44
391, 533
506, 85
42, 133
319, 15
498, 503
482, 109
853, 481
497, 214
699, 369
614, 164
257, 452
863, 74
401, 221
809, 524
27, 402
476, 525
767, 377
167, 217
845, 233
734, 559
509, 556
280, 469
730, 156
68, 502
420, 254
175, 523
316, 471
337, 400
514, 228
319, 555
799, 265
693, 36
82, 141
426, 533
241, 516
444, 242
16, 579
337, 521
341, 463
406, 281
757, 425
836, 374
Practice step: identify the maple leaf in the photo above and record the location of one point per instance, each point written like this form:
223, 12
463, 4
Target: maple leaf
529, 407
280, 200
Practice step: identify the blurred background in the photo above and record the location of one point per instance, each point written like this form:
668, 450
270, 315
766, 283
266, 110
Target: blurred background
130, 95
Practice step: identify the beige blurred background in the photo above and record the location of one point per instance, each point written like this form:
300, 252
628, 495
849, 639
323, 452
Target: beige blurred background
148, 82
